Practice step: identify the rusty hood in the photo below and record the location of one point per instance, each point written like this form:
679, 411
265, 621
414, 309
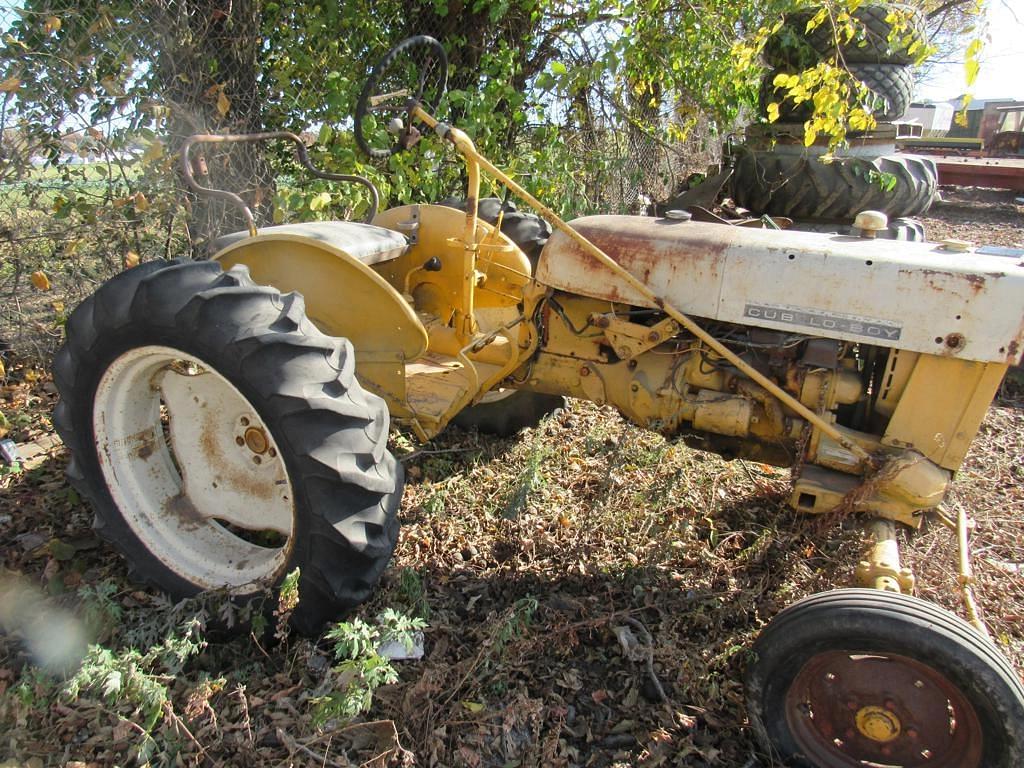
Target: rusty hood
915, 296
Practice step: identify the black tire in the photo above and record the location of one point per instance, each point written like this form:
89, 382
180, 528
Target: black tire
802, 187
891, 87
528, 231
864, 623
794, 46
331, 433
506, 416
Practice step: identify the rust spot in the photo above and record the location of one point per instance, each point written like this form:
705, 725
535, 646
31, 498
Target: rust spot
147, 445
977, 281
955, 341
181, 507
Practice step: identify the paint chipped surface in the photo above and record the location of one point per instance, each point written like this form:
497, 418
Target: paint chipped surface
714, 271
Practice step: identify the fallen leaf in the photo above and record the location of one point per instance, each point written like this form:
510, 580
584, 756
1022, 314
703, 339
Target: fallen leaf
10, 85
141, 203
223, 104
40, 280
131, 259
51, 25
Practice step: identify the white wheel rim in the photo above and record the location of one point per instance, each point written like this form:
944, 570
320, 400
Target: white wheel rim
496, 395
208, 495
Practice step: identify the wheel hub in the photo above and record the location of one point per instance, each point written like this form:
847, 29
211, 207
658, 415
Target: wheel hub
256, 440
193, 470
878, 724
847, 710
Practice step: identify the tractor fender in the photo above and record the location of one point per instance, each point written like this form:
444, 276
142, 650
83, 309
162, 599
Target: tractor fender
344, 297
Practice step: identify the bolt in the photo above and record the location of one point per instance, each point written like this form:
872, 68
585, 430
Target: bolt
955, 340
632, 365
245, 421
273, 453
635, 387
240, 440
624, 352
851, 704
584, 371
256, 460
911, 733
889, 704
653, 336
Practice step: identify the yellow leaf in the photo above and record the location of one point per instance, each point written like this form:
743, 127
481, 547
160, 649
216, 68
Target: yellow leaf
51, 25
223, 104
3, 375
773, 112
10, 85
40, 280
141, 203
58, 307
810, 134
473, 706
153, 152
780, 80
131, 259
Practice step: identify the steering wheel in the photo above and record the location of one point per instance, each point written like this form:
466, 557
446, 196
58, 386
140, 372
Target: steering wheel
413, 73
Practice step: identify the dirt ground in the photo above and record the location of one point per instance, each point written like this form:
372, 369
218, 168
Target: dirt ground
523, 556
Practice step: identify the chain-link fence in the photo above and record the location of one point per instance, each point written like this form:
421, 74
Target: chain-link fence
96, 99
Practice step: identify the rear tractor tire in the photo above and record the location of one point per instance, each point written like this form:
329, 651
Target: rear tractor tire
223, 441
859, 677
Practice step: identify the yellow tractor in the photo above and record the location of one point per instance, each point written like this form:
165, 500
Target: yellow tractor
228, 419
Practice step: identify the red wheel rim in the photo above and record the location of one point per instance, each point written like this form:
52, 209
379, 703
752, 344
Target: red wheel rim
855, 709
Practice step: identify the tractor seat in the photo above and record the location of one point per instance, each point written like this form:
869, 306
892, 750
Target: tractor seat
364, 242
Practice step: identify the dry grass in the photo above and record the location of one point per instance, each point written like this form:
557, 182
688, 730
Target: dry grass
523, 555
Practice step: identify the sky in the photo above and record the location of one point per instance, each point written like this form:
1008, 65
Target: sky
1002, 60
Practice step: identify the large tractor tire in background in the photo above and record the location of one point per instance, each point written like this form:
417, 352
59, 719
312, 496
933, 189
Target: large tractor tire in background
223, 441
793, 45
505, 412
891, 86
801, 187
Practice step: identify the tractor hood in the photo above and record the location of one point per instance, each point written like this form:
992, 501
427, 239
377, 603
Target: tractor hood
915, 296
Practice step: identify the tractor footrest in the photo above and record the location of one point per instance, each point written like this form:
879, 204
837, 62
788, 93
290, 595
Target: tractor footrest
437, 385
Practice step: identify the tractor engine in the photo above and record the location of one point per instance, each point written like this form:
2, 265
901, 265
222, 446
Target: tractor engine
885, 380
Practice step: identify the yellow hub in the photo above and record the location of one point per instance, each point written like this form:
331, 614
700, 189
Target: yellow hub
256, 440
878, 724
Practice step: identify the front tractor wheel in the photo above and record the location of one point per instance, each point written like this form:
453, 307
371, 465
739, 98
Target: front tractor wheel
861, 677
223, 441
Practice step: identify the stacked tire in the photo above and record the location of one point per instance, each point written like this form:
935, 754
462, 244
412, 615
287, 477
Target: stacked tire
881, 64
776, 180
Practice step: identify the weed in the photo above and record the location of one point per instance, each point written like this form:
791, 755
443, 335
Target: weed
100, 612
135, 679
530, 479
362, 669
412, 593
514, 626
288, 598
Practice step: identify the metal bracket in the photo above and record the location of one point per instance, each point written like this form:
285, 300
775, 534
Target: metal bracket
631, 339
